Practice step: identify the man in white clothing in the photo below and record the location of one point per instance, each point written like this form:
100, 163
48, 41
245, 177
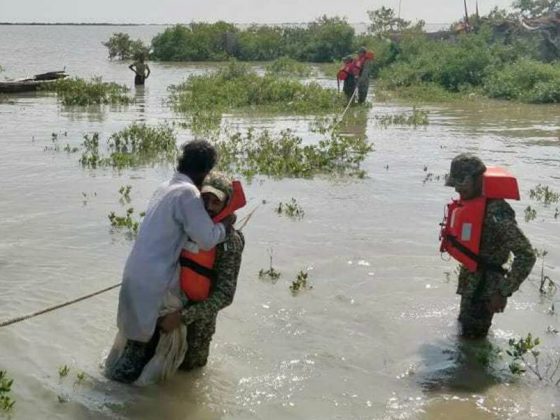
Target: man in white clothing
175, 213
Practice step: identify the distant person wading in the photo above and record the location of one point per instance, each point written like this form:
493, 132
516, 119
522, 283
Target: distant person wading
141, 69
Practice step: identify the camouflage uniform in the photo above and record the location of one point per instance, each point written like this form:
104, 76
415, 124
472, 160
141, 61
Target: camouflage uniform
200, 317
500, 236
363, 79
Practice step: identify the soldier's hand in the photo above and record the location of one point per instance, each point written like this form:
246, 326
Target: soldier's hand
497, 303
229, 221
170, 322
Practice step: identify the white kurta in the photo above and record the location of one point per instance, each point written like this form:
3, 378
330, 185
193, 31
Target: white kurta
176, 212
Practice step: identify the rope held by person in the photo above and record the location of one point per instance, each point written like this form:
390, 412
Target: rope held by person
55, 307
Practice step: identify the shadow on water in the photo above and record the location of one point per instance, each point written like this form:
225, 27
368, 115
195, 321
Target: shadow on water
459, 366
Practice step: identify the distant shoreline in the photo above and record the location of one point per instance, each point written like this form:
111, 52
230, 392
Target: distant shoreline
80, 24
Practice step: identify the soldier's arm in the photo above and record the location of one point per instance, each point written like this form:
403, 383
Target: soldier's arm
524, 256
228, 263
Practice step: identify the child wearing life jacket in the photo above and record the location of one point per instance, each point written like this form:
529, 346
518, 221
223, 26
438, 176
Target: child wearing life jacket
209, 278
480, 232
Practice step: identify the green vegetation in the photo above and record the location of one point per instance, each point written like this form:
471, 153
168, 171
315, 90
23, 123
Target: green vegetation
126, 223
300, 283
271, 274
527, 358
544, 194
63, 371
136, 145
416, 118
80, 377
292, 209
124, 192
6, 401
122, 47
530, 214
285, 66
547, 286
81, 92
236, 86
324, 40
285, 155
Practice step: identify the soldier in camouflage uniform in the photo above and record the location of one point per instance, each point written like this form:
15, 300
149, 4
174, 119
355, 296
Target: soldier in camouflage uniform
200, 317
364, 69
485, 292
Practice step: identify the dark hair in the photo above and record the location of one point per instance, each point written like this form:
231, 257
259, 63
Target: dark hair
197, 157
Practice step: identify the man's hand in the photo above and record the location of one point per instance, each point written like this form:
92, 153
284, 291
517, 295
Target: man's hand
497, 303
229, 221
170, 321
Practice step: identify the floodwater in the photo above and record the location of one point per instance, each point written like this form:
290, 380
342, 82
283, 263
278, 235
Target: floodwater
375, 338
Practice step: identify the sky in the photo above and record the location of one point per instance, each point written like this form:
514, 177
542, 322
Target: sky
238, 11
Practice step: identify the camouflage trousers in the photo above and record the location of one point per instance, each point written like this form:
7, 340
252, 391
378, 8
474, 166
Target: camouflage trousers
475, 318
349, 86
199, 337
134, 357
363, 87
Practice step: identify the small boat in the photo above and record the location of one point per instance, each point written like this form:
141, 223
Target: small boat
31, 84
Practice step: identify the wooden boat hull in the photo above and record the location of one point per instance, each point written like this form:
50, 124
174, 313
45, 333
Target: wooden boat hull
32, 84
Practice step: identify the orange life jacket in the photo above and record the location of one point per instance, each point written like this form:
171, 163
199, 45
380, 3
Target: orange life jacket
197, 272
345, 71
461, 229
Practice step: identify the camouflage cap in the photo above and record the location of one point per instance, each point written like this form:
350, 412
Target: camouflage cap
464, 165
218, 184
347, 59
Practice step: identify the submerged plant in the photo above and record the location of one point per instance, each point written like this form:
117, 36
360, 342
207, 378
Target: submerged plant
236, 86
63, 371
285, 66
300, 283
124, 192
82, 92
140, 144
525, 357
545, 195
80, 377
547, 286
291, 209
530, 214
417, 118
285, 155
6, 401
270, 274
126, 222
135, 145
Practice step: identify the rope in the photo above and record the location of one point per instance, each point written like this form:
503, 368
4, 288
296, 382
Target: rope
55, 307
346, 109
243, 222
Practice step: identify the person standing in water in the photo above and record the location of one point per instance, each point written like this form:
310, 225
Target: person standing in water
141, 69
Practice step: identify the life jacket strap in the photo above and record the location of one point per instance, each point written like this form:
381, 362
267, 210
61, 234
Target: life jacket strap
485, 265
197, 268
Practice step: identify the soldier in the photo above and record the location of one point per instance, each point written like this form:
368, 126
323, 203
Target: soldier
362, 66
200, 317
484, 292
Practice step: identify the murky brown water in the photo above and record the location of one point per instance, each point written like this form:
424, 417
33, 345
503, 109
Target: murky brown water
376, 336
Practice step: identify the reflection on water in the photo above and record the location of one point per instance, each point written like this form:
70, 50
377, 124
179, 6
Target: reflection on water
342, 350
